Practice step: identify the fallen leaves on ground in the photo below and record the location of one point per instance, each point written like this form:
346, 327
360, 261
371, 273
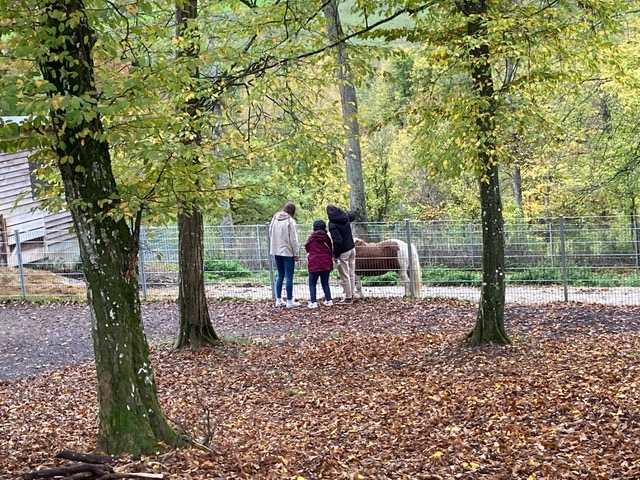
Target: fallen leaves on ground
382, 389
39, 283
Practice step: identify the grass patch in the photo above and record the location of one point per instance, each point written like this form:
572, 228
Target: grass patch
217, 268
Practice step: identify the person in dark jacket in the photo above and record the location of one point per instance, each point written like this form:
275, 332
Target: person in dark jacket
320, 262
344, 249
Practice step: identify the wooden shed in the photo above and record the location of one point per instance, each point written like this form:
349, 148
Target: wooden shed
29, 233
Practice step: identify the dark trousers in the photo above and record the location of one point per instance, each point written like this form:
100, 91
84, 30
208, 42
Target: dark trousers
324, 281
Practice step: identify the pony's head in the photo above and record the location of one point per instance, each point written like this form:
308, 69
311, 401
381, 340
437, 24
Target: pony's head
359, 242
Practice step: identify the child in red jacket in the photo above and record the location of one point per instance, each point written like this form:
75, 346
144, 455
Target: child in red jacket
320, 262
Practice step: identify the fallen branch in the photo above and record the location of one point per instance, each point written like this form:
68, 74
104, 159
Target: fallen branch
98, 467
98, 470
86, 457
142, 475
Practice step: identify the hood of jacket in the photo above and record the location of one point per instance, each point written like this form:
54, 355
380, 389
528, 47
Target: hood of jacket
281, 216
339, 216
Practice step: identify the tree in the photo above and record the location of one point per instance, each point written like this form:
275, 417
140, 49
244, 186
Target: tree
490, 319
349, 102
195, 322
130, 417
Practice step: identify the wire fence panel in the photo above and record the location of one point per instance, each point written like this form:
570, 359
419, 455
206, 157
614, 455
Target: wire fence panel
584, 259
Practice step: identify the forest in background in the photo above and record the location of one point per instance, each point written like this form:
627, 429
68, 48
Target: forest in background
269, 126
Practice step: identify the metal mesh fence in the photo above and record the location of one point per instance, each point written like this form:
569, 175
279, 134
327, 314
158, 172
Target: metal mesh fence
585, 259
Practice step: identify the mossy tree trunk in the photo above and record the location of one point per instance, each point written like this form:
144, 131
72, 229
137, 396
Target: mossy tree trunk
196, 329
130, 417
490, 320
489, 325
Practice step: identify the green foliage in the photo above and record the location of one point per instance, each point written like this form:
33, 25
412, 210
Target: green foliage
442, 276
269, 122
576, 276
259, 110
217, 268
384, 280
547, 64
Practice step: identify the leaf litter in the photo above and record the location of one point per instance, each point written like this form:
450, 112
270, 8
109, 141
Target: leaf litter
382, 389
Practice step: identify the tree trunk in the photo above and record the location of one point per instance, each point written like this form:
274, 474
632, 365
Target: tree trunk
517, 188
490, 320
196, 329
349, 101
195, 322
130, 418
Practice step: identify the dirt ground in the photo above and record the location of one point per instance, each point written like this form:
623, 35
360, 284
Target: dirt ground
39, 337
381, 389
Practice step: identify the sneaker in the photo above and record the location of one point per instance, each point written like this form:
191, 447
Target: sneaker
328, 303
292, 303
280, 302
346, 301
312, 305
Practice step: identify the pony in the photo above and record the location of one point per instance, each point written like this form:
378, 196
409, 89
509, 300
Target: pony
392, 255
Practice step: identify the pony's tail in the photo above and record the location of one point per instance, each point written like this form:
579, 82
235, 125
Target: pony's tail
416, 272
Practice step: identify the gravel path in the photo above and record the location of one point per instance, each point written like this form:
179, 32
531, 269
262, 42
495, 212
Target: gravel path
35, 338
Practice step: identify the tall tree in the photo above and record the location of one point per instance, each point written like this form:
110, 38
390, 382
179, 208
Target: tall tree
349, 102
196, 328
130, 417
490, 319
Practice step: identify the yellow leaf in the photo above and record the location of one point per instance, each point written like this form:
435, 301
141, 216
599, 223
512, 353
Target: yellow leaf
438, 454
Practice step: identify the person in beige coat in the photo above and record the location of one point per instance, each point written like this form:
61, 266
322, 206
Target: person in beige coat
284, 246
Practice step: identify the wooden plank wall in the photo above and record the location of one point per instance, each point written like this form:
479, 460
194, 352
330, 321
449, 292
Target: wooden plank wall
15, 180
38, 228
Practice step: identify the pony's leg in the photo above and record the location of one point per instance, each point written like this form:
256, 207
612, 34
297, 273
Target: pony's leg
417, 272
403, 260
406, 281
359, 287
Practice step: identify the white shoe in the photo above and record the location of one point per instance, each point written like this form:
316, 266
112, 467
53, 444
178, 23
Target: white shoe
312, 305
280, 302
292, 303
328, 303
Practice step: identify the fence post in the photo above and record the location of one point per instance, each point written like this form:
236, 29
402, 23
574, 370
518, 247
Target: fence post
166, 257
635, 237
410, 258
471, 249
563, 259
271, 279
550, 232
143, 278
259, 246
23, 286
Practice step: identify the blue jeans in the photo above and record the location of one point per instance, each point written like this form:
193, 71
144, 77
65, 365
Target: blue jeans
285, 266
324, 281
